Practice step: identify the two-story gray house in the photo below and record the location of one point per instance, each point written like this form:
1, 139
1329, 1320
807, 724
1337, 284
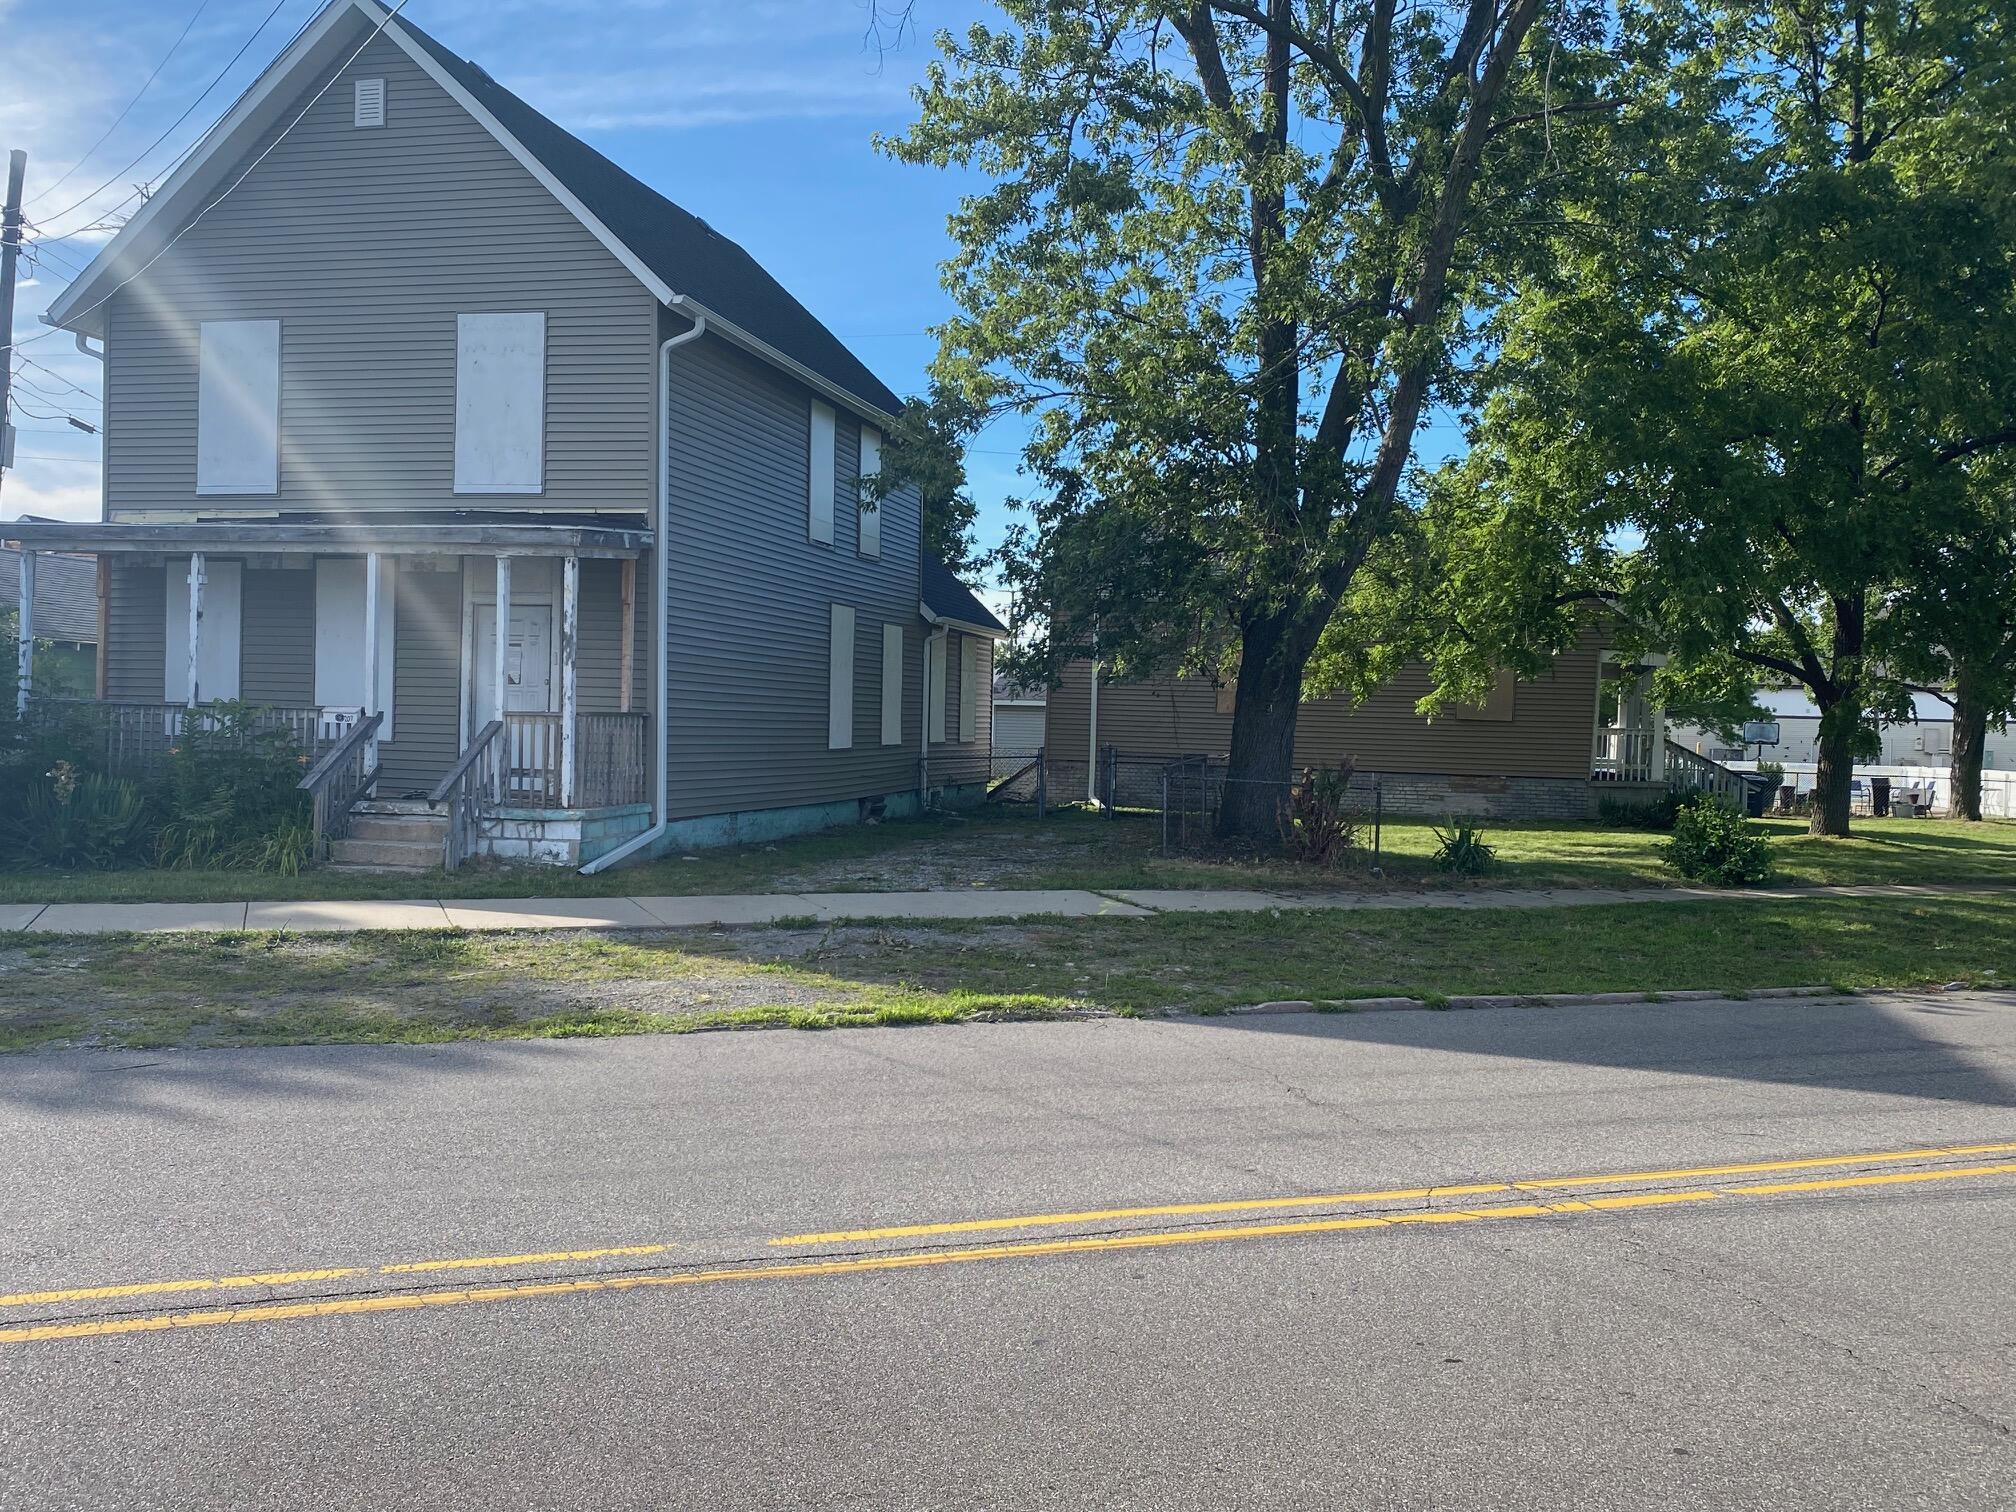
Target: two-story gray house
527, 498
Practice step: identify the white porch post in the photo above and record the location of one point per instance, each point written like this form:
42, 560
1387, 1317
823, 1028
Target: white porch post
373, 694
570, 620
501, 665
24, 653
196, 581
1092, 730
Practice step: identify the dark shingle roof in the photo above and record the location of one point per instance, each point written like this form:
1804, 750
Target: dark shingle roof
948, 598
66, 594
683, 250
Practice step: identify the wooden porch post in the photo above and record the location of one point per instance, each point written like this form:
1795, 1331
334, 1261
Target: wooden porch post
627, 634
373, 694
196, 581
24, 652
501, 666
570, 622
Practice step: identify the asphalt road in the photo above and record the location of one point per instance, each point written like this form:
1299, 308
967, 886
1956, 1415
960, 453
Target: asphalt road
1411, 1260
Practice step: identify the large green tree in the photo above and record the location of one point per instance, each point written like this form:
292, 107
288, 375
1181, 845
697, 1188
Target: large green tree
1230, 254
1753, 382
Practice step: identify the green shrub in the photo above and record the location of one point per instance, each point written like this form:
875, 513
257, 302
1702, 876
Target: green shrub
77, 819
1461, 849
1712, 842
1314, 822
1657, 815
230, 795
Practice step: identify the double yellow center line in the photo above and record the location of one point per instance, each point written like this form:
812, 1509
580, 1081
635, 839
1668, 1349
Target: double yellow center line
1718, 1188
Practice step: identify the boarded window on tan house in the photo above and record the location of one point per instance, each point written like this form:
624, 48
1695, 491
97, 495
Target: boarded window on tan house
1228, 693
1496, 707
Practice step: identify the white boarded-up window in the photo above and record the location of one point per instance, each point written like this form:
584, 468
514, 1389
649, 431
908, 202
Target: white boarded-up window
819, 481
339, 635
892, 685
238, 407
840, 681
217, 648
500, 403
969, 687
934, 687
871, 507
370, 102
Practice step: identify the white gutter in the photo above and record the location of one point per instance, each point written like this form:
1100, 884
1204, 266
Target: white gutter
661, 598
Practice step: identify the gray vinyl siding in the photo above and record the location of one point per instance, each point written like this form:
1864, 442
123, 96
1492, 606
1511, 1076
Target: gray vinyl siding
958, 762
598, 660
135, 642
1549, 735
366, 245
751, 600
276, 639
426, 708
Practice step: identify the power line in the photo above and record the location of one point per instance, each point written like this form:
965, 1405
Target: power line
42, 368
197, 218
180, 38
176, 123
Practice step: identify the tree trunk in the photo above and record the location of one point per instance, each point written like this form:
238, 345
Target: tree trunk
1970, 738
1263, 733
1834, 770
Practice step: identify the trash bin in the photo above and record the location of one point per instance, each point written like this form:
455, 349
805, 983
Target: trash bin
1879, 797
1756, 794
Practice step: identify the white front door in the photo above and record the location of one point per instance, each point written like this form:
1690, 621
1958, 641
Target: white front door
528, 666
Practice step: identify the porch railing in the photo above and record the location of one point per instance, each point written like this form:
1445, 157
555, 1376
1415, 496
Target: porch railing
1624, 755
1691, 771
470, 790
339, 778
133, 739
609, 760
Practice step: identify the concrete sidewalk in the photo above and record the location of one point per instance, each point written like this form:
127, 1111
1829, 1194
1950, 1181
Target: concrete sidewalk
344, 917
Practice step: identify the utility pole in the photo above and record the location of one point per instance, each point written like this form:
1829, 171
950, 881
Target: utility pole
10, 253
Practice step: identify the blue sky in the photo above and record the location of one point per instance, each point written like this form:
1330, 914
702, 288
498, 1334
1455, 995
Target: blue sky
757, 115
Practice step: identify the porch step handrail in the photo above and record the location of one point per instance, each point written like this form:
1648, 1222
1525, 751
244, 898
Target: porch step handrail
471, 786
339, 777
1687, 769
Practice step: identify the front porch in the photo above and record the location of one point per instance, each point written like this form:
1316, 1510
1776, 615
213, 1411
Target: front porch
483, 675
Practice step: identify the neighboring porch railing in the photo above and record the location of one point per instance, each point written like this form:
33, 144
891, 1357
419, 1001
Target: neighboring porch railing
133, 739
470, 790
339, 778
1694, 772
1624, 754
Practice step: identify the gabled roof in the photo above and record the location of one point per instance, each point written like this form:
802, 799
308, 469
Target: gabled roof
678, 256
946, 598
66, 594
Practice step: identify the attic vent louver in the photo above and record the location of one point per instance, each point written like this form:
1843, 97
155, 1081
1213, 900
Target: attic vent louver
370, 102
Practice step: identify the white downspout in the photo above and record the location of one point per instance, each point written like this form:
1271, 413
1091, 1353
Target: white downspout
924, 735
661, 599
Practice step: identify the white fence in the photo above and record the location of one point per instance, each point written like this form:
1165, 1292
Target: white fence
1998, 788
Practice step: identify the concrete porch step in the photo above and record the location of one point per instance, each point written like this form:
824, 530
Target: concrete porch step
412, 828
403, 855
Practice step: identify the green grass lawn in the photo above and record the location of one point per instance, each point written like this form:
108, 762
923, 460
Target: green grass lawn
241, 989
1073, 848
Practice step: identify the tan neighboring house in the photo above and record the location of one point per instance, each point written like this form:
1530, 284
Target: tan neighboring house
525, 498
1548, 747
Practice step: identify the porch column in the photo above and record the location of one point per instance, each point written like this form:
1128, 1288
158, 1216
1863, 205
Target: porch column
501, 665
196, 581
570, 623
374, 567
627, 634
24, 652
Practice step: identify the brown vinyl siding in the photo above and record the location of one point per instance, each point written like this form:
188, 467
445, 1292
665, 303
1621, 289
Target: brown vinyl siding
1549, 733
366, 244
